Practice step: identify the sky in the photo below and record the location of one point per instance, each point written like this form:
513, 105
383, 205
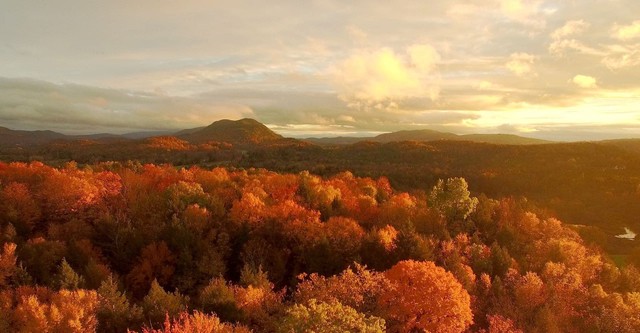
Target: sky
560, 70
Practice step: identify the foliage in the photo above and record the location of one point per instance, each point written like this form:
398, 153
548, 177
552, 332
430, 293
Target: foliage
453, 199
425, 297
328, 317
197, 322
158, 302
178, 249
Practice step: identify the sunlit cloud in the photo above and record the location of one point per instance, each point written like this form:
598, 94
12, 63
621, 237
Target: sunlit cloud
524, 11
562, 46
521, 64
627, 32
381, 78
585, 81
372, 65
564, 39
570, 28
620, 57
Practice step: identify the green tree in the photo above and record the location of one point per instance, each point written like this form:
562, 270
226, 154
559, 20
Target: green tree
218, 297
158, 302
330, 317
115, 313
453, 199
68, 278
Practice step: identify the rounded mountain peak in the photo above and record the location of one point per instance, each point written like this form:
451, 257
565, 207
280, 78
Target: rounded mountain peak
243, 131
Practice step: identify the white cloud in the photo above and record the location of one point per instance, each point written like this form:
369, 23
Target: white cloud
521, 64
381, 78
585, 81
627, 32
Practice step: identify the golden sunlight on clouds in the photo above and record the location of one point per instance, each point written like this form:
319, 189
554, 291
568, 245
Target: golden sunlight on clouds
620, 57
627, 32
564, 39
521, 10
569, 29
584, 81
379, 79
373, 65
602, 108
423, 57
521, 64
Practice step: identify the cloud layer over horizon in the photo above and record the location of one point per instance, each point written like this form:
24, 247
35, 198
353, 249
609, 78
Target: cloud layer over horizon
551, 69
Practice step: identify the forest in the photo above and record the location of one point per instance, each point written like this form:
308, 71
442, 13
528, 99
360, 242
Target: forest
126, 246
593, 186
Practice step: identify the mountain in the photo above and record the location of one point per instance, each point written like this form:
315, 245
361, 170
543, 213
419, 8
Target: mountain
146, 134
431, 135
189, 131
502, 139
340, 140
9, 137
243, 131
415, 135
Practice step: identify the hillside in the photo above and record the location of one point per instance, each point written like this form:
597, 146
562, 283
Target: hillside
630, 145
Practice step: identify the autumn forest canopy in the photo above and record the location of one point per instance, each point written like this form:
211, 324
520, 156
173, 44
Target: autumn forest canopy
113, 246
454, 166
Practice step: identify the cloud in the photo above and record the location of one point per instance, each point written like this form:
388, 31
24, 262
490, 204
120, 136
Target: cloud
521, 64
562, 41
622, 57
381, 78
302, 64
31, 104
569, 29
626, 32
559, 47
523, 11
423, 57
585, 81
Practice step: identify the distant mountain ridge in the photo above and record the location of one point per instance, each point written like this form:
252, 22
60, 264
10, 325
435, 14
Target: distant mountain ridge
431, 135
250, 132
9, 137
239, 132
